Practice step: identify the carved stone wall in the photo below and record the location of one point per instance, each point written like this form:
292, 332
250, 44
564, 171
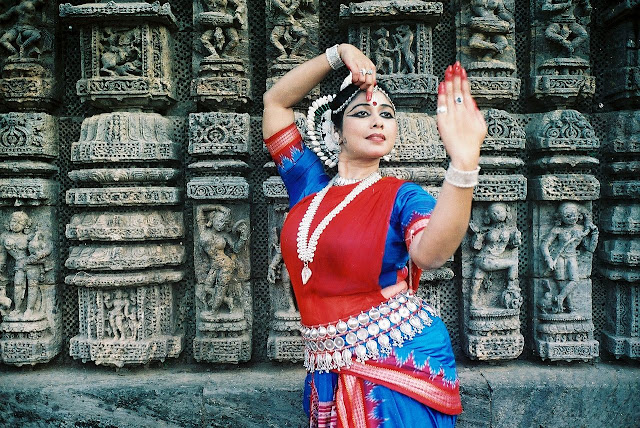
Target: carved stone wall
151, 101
30, 327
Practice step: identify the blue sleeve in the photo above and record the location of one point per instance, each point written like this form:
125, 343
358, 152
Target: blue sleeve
303, 175
411, 211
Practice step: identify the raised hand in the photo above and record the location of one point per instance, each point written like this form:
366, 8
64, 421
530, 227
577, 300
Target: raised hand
460, 123
362, 69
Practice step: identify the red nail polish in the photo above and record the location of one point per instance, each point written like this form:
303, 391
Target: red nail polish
448, 73
463, 73
368, 97
441, 88
456, 68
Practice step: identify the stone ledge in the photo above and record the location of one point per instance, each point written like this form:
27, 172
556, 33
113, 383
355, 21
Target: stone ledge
515, 394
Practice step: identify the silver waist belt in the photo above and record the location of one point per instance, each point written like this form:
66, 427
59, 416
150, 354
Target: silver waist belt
366, 336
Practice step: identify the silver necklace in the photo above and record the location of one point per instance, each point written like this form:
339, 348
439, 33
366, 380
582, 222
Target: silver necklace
306, 245
341, 181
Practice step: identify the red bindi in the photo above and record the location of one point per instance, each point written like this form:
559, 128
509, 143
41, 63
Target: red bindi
375, 103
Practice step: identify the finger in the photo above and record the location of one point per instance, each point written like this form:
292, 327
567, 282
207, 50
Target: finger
468, 100
457, 85
442, 100
448, 86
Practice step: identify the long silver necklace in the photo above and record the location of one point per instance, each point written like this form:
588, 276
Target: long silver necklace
306, 245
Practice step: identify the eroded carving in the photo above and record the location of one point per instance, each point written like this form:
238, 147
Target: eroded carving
23, 38
495, 243
560, 247
288, 35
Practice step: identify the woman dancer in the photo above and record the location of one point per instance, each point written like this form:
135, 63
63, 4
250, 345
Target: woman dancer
376, 354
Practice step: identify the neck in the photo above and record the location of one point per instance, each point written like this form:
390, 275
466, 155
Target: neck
357, 169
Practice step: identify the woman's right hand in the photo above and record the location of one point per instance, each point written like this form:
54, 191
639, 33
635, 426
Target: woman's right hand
356, 61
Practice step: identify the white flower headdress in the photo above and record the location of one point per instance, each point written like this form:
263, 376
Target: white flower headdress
323, 135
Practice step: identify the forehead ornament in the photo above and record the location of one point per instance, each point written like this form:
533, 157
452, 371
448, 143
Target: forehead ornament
323, 137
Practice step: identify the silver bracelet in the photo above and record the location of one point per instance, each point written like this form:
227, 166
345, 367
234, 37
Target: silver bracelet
335, 62
464, 179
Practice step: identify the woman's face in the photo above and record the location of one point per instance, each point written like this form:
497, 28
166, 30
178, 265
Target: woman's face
369, 129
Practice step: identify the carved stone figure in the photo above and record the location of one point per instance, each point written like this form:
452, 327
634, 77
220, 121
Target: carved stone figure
490, 25
21, 40
226, 17
278, 271
288, 35
404, 57
119, 308
383, 53
564, 30
30, 252
120, 55
224, 245
560, 247
494, 245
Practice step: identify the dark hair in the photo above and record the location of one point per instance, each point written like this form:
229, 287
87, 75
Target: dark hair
341, 97
338, 117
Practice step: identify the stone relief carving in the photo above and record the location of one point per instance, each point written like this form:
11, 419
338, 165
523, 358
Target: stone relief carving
225, 246
277, 275
23, 39
120, 52
225, 18
487, 49
24, 246
288, 35
564, 31
398, 36
490, 25
574, 231
562, 70
28, 296
495, 243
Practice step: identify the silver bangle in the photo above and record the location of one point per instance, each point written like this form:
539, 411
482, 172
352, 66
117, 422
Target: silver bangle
464, 179
333, 57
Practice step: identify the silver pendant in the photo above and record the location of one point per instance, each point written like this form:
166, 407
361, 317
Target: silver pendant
306, 273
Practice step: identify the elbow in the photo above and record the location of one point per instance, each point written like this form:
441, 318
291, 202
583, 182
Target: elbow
430, 263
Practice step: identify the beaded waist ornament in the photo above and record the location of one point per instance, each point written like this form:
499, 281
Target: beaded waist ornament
366, 336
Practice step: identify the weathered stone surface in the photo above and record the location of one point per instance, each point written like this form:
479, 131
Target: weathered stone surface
28, 191
28, 65
126, 53
388, 31
491, 289
28, 134
131, 226
222, 54
218, 188
560, 66
486, 46
31, 320
223, 295
504, 396
218, 134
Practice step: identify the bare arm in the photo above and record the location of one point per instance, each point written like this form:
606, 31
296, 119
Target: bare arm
462, 129
293, 86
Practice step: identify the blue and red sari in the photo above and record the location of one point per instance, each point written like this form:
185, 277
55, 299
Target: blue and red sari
363, 250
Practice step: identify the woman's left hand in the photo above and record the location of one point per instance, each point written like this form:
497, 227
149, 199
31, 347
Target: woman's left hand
460, 123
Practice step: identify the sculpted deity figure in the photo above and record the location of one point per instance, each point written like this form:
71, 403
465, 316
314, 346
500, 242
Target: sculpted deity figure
120, 53
383, 53
564, 29
30, 252
22, 39
490, 27
288, 33
221, 40
277, 270
494, 245
560, 251
405, 58
119, 314
225, 246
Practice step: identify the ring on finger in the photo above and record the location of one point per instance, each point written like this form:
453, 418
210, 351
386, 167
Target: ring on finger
370, 71
363, 71
441, 109
458, 99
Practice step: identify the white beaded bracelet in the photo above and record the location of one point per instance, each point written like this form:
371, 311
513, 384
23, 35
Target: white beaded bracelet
464, 179
333, 57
